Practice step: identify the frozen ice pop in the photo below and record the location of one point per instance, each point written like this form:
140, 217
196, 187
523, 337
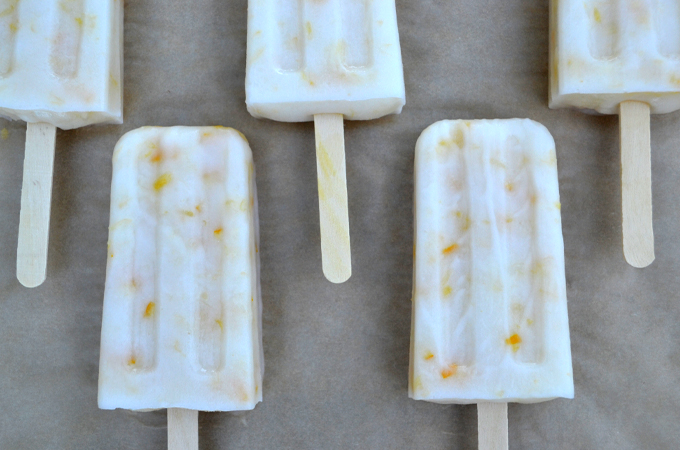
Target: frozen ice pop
620, 57
489, 297
60, 66
325, 61
181, 325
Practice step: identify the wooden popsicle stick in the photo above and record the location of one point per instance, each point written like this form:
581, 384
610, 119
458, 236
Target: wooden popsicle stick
182, 429
36, 199
336, 255
492, 426
636, 184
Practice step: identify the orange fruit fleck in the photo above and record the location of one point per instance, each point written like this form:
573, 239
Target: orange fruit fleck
149, 309
162, 181
450, 249
218, 231
428, 356
513, 340
449, 371
156, 156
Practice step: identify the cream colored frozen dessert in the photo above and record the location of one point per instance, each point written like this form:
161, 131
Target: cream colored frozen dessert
326, 61
61, 61
620, 57
61, 65
604, 52
313, 57
489, 297
181, 323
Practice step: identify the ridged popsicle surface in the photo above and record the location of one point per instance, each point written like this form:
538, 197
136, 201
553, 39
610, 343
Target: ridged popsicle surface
61, 61
489, 301
604, 52
181, 321
332, 56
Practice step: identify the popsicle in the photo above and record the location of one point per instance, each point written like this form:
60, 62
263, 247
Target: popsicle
489, 319
60, 66
620, 57
181, 325
328, 62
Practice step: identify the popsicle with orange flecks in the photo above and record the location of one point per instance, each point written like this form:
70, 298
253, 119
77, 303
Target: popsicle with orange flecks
490, 319
327, 62
181, 326
620, 57
60, 66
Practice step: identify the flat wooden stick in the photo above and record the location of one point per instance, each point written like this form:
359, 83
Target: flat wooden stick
182, 429
336, 255
36, 199
636, 184
492, 426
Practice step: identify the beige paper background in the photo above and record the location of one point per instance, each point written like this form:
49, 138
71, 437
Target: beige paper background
337, 356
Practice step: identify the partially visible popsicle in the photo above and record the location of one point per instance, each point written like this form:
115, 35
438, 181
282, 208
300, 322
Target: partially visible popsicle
620, 57
490, 319
325, 61
60, 66
181, 325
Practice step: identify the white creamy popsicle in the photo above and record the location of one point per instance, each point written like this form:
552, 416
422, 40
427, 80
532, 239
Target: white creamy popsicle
489, 298
332, 56
60, 66
181, 325
325, 61
605, 52
620, 57
60, 61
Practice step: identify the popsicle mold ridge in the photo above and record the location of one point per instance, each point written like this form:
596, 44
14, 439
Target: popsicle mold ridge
489, 303
8, 29
67, 39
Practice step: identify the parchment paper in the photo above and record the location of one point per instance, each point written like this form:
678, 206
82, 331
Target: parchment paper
337, 355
